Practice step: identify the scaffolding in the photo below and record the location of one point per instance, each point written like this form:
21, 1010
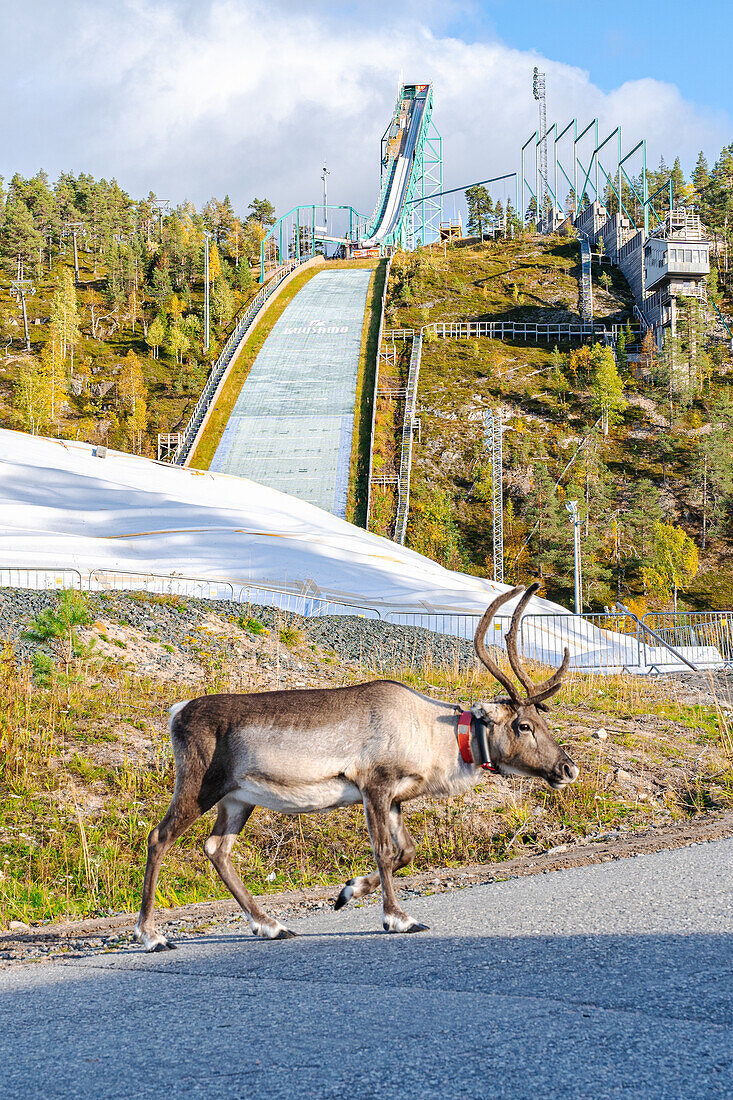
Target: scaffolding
427, 211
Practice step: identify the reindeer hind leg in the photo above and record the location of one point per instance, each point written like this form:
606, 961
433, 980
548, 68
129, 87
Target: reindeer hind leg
231, 818
181, 814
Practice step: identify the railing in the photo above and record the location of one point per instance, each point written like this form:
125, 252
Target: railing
605, 643
227, 354
305, 603
641, 318
508, 330
408, 428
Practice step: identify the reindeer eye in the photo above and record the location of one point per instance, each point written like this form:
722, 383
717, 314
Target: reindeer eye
524, 727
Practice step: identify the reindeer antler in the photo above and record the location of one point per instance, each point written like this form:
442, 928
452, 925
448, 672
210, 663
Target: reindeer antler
480, 642
536, 693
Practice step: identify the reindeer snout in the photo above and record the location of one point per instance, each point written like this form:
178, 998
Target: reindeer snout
566, 771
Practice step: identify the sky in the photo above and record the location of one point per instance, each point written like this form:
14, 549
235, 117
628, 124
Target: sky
193, 98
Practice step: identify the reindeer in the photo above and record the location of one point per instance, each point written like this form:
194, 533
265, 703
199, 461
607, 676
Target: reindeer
378, 743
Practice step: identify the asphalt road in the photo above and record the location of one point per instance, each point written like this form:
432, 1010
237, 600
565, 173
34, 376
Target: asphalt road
602, 981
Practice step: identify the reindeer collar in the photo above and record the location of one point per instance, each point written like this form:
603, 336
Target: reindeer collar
466, 723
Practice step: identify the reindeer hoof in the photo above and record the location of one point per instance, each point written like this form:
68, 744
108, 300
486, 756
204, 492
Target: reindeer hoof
402, 923
345, 896
285, 934
166, 946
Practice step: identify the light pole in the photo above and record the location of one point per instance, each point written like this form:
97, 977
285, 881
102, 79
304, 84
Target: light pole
324, 177
207, 312
572, 507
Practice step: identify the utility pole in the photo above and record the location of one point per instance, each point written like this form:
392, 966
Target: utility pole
493, 439
161, 205
23, 288
572, 507
207, 312
538, 91
324, 177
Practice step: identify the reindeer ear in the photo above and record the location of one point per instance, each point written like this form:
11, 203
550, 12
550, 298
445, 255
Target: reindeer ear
541, 706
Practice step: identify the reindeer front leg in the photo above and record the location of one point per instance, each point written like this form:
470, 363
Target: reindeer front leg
362, 885
377, 805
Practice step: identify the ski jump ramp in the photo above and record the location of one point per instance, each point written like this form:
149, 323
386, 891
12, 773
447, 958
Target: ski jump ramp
293, 422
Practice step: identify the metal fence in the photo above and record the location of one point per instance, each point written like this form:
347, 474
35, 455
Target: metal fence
600, 642
707, 631
116, 580
304, 603
39, 579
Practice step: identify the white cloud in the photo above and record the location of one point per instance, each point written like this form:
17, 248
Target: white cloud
246, 97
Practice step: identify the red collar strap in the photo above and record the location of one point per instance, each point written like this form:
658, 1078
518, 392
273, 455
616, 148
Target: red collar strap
465, 724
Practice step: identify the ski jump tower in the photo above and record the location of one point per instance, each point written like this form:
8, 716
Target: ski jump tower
412, 137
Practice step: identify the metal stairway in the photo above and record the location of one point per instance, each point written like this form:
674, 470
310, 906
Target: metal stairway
408, 426
586, 281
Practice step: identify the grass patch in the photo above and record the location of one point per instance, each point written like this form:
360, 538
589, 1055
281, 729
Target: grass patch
291, 636
252, 626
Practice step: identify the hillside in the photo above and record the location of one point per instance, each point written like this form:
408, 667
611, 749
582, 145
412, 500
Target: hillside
664, 460
118, 354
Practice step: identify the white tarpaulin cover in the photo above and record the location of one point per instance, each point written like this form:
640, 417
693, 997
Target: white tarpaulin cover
61, 505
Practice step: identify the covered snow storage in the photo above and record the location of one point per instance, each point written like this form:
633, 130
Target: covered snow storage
75, 515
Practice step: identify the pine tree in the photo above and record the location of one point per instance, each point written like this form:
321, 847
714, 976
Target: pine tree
480, 208
19, 238
622, 359
679, 187
550, 546
700, 180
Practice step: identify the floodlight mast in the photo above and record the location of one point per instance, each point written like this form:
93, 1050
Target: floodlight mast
538, 91
324, 176
572, 508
